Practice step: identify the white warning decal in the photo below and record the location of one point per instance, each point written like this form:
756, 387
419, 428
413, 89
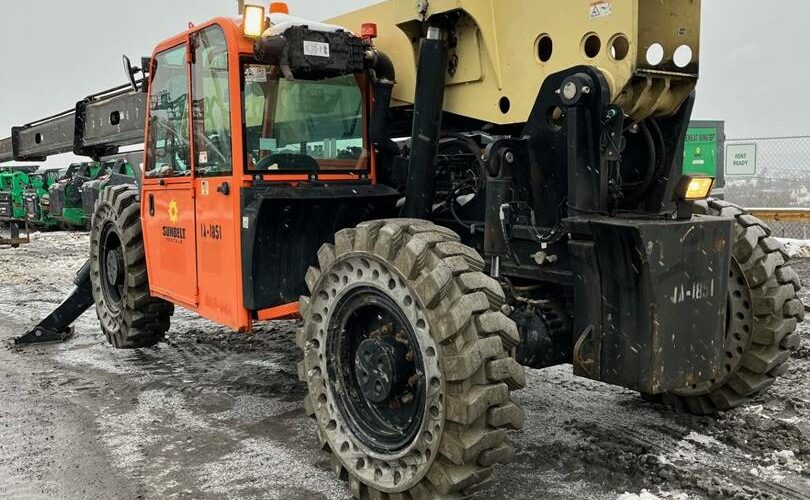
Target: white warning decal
256, 74
599, 10
319, 49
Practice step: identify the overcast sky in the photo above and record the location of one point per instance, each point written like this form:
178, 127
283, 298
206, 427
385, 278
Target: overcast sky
754, 64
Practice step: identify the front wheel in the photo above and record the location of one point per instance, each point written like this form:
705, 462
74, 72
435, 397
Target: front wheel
130, 317
762, 316
406, 361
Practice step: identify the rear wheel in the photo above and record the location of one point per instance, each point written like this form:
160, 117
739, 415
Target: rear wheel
406, 361
763, 312
130, 317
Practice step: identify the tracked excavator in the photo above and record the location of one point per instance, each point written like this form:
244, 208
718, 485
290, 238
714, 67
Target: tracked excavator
445, 192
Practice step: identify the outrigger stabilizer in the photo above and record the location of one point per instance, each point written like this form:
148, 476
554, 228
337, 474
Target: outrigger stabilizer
56, 327
96, 127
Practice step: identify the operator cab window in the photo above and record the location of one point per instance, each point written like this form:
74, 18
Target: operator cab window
211, 103
168, 141
294, 125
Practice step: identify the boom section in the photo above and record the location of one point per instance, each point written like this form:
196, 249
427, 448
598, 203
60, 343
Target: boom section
97, 126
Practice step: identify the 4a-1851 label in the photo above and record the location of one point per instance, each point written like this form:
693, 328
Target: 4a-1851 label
697, 291
211, 231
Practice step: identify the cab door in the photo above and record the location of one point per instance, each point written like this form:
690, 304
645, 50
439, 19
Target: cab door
167, 205
217, 201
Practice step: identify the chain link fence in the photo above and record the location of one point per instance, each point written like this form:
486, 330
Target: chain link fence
782, 180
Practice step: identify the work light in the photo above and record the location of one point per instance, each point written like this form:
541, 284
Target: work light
695, 187
253, 21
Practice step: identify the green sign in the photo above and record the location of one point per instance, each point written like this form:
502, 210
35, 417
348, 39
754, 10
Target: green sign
700, 152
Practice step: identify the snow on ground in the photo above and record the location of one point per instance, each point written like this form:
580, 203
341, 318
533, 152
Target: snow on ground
211, 414
796, 248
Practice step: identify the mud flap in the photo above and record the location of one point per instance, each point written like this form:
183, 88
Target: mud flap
650, 300
57, 326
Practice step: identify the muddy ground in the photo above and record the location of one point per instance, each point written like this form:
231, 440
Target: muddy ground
210, 414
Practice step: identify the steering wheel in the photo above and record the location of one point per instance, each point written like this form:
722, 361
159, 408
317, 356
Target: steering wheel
291, 161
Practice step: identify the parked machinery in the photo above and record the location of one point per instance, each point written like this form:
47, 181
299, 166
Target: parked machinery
65, 197
13, 183
535, 213
36, 200
117, 170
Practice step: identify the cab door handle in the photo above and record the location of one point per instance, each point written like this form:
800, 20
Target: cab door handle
151, 205
224, 188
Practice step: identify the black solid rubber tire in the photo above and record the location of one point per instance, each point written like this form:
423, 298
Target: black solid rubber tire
770, 317
141, 320
469, 340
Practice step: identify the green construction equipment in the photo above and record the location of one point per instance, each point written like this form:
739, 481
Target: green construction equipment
65, 197
13, 183
36, 200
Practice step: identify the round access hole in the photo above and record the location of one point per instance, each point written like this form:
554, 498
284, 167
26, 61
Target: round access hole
555, 117
591, 45
655, 54
505, 104
545, 47
683, 56
619, 47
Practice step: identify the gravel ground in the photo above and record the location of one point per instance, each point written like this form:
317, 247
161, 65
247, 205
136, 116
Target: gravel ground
212, 414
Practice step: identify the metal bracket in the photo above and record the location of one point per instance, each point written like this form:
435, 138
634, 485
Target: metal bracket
56, 327
586, 354
41, 335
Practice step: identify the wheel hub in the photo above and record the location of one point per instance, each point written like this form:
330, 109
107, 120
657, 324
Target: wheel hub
115, 266
379, 368
112, 267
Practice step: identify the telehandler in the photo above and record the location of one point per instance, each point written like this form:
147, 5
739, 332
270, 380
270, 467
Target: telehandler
445, 192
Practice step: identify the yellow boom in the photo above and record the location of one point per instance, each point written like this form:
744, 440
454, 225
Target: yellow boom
504, 50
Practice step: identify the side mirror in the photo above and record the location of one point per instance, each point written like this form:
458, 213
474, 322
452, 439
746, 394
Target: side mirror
131, 71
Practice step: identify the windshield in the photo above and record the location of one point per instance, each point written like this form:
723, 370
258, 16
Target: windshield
302, 125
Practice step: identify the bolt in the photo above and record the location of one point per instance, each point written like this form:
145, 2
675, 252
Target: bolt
406, 398
569, 91
586, 90
611, 114
509, 157
401, 337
